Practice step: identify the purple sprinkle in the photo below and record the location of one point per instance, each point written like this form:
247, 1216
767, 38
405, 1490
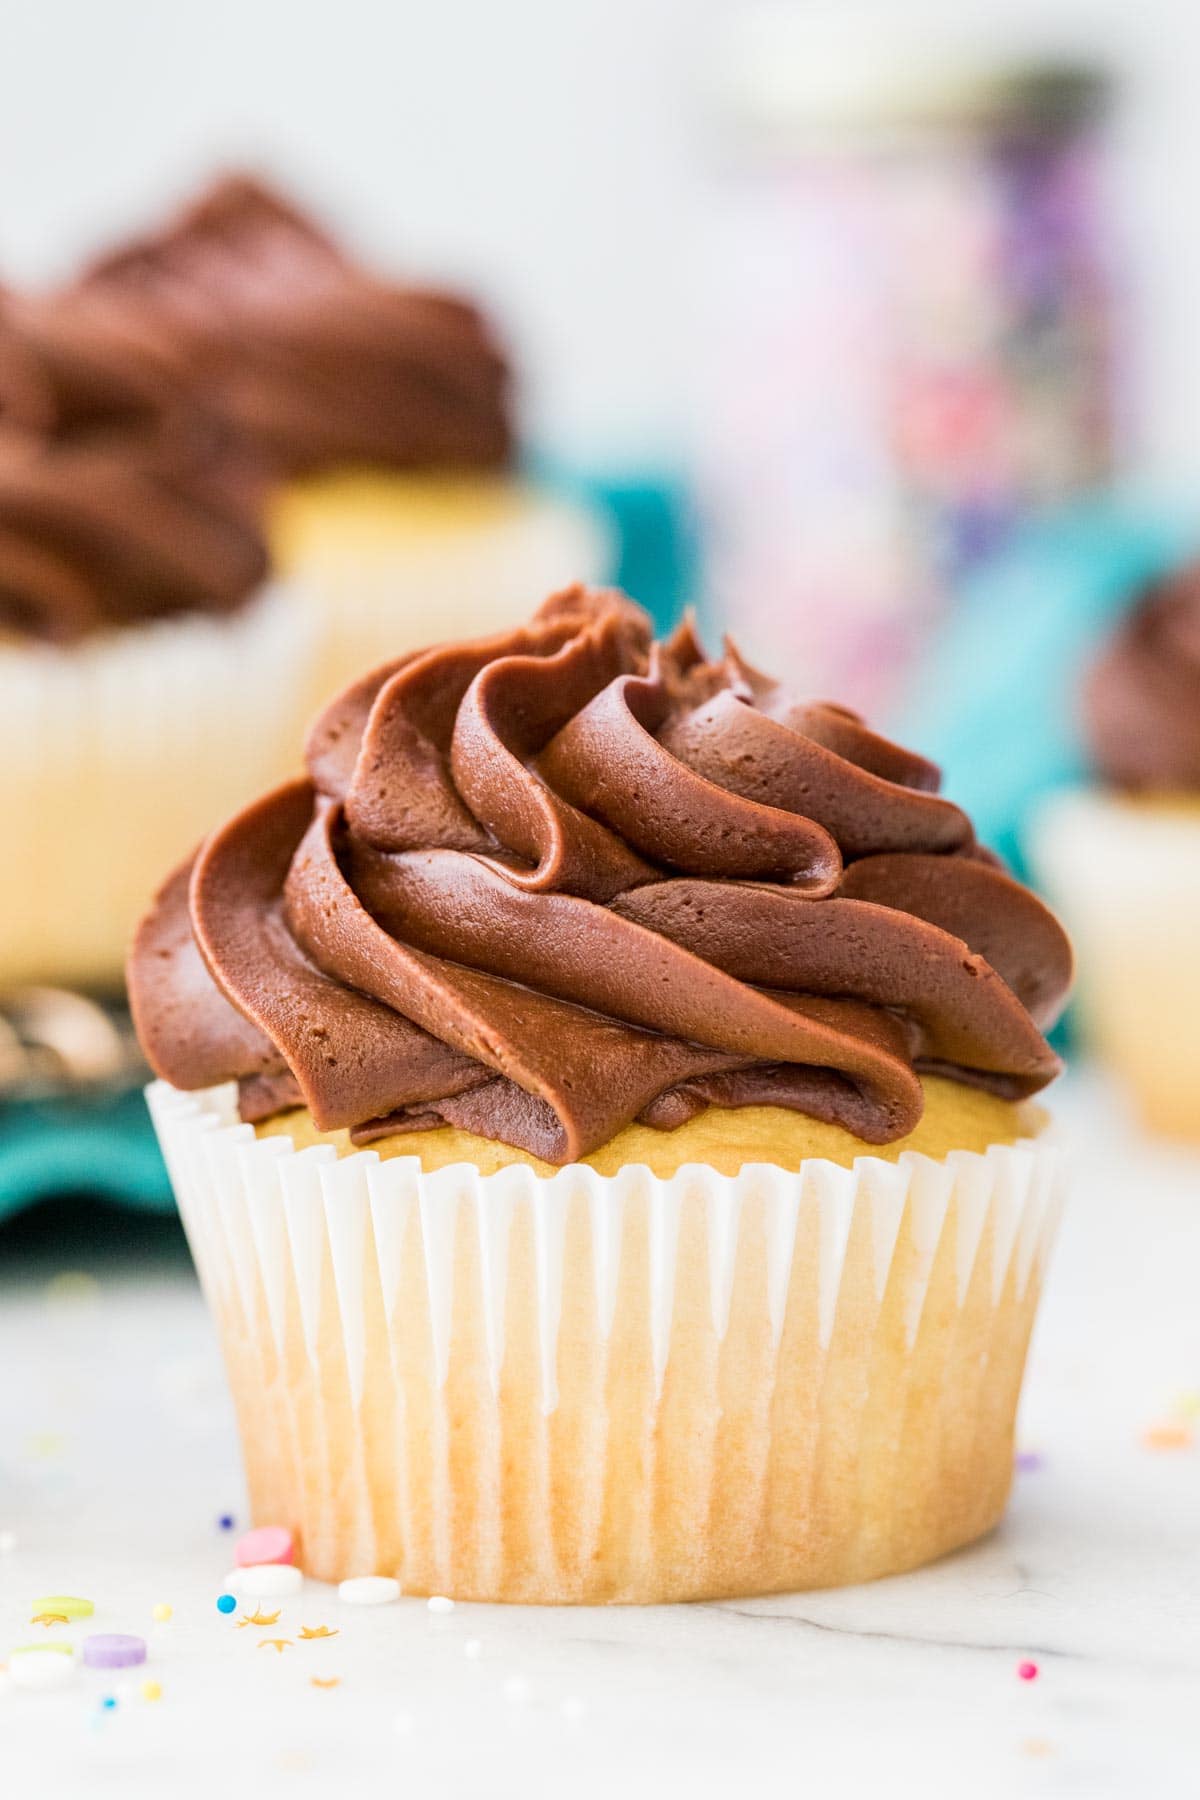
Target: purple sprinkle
1029, 1460
113, 1650
226, 1522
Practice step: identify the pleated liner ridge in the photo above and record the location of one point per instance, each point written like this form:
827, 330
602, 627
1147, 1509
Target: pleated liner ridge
585, 1388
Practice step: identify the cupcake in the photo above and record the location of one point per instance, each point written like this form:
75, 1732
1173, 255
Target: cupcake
598, 1098
147, 677
1122, 858
385, 411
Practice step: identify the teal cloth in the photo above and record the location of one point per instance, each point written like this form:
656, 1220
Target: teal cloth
995, 702
107, 1148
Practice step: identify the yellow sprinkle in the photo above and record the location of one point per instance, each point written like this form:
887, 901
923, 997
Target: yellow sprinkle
48, 1619
1187, 1406
258, 1617
280, 1644
1038, 1747
69, 1606
333, 1681
161, 1613
151, 1690
316, 1631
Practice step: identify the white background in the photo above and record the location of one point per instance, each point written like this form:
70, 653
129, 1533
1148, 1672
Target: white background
550, 153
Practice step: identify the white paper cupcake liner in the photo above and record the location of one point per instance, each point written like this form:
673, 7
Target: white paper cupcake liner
1125, 878
587, 1388
119, 754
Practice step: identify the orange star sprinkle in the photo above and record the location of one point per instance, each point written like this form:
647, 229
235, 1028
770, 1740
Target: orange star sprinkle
334, 1681
316, 1631
280, 1644
49, 1619
258, 1618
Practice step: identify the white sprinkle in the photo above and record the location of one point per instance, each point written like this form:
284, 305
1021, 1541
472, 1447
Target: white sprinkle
8, 1541
265, 1581
516, 1690
438, 1603
39, 1668
473, 1649
573, 1708
402, 1724
369, 1590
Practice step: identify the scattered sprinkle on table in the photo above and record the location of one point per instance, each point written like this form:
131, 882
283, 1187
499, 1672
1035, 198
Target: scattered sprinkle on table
331, 1681
225, 1603
269, 1544
369, 1590
109, 1703
30, 1667
226, 1522
49, 1619
276, 1644
258, 1617
113, 1650
316, 1631
1187, 1405
162, 1613
67, 1606
151, 1690
1027, 1671
1029, 1461
1038, 1747
440, 1603
265, 1581
1168, 1434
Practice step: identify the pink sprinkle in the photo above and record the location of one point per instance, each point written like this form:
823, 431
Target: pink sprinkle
269, 1544
1027, 1671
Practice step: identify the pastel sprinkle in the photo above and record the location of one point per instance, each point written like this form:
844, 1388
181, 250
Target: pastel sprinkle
27, 1670
162, 1613
67, 1606
440, 1603
109, 1703
1188, 1405
1168, 1434
268, 1544
113, 1650
226, 1522
58, 1645
265, 1581
151, 1690
1027, 1671
369, 1590
1028, 1461
225, 1603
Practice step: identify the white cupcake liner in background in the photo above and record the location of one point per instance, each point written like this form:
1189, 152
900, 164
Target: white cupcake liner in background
119, 754
580, 1388
390, 592
1124, 876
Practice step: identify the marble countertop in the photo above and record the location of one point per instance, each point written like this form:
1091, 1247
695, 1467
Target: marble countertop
117, 1456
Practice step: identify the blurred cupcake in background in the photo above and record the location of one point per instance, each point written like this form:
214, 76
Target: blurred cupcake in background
385, 412
147, 677
1122, 859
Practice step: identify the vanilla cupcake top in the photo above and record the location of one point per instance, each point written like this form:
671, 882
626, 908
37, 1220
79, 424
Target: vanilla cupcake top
1142, 697
319, 362
543, 884
120, 501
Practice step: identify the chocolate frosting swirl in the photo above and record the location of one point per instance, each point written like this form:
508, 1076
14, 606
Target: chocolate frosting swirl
319, 362
1142, 698
119, 500
544, 884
